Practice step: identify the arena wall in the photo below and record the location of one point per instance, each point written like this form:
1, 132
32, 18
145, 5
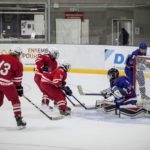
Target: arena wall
93, 59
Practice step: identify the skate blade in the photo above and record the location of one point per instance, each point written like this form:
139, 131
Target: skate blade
78, 105
57, 117
21, 127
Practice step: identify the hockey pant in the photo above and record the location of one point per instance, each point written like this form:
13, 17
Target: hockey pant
11, 94
56, 94
129, 74
45, 98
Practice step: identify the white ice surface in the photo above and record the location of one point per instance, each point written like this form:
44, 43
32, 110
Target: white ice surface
83, 130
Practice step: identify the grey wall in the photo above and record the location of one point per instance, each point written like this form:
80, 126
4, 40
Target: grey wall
100, 14
142, 20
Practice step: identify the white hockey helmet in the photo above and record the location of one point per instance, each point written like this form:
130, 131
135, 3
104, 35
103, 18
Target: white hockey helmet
16, 51
65, 65
53, 52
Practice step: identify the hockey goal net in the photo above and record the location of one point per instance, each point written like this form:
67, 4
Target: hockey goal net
142, 77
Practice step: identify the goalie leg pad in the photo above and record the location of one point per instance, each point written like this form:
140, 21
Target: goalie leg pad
99, 104
147, 113
131, 111
145, 104
109, 107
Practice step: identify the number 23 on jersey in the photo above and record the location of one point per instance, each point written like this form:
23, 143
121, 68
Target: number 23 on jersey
4, 68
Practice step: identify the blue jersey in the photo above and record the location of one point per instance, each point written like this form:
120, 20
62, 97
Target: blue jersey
125, 88
130, 58
130, 64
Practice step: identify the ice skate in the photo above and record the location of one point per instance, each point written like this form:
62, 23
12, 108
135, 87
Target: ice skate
55, 104
20, 123
66, 112
46, 107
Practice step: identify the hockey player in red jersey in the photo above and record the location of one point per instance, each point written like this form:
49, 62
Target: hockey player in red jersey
54, 86
45, 63
11, 70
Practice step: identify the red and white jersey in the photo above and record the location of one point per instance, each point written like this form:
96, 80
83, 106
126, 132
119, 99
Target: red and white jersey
42, 60
56, 77
11, 70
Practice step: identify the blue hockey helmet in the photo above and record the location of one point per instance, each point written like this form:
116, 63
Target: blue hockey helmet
143, 48
143, 45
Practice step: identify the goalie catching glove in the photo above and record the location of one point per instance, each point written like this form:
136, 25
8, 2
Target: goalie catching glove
106, 93
19, 90
67, 90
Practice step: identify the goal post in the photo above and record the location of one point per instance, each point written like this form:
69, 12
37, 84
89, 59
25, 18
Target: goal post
142, 76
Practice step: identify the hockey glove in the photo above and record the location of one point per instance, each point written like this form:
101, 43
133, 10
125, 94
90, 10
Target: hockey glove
45, 68
63, 83
19, 90
106, 93
67, 90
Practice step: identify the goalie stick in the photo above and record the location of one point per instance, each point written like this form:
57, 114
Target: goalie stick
80, 89
50, 117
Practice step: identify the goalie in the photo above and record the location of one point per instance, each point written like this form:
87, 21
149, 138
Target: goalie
124, 97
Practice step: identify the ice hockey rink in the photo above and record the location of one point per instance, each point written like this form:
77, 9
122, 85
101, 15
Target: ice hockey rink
83, 130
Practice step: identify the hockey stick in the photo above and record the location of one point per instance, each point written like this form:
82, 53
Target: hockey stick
75, 105
79, 87
50, 117
87, 108
103, 93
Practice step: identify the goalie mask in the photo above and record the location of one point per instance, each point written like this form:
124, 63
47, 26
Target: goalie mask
54, 53
16, 51
113, 74
65, 65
